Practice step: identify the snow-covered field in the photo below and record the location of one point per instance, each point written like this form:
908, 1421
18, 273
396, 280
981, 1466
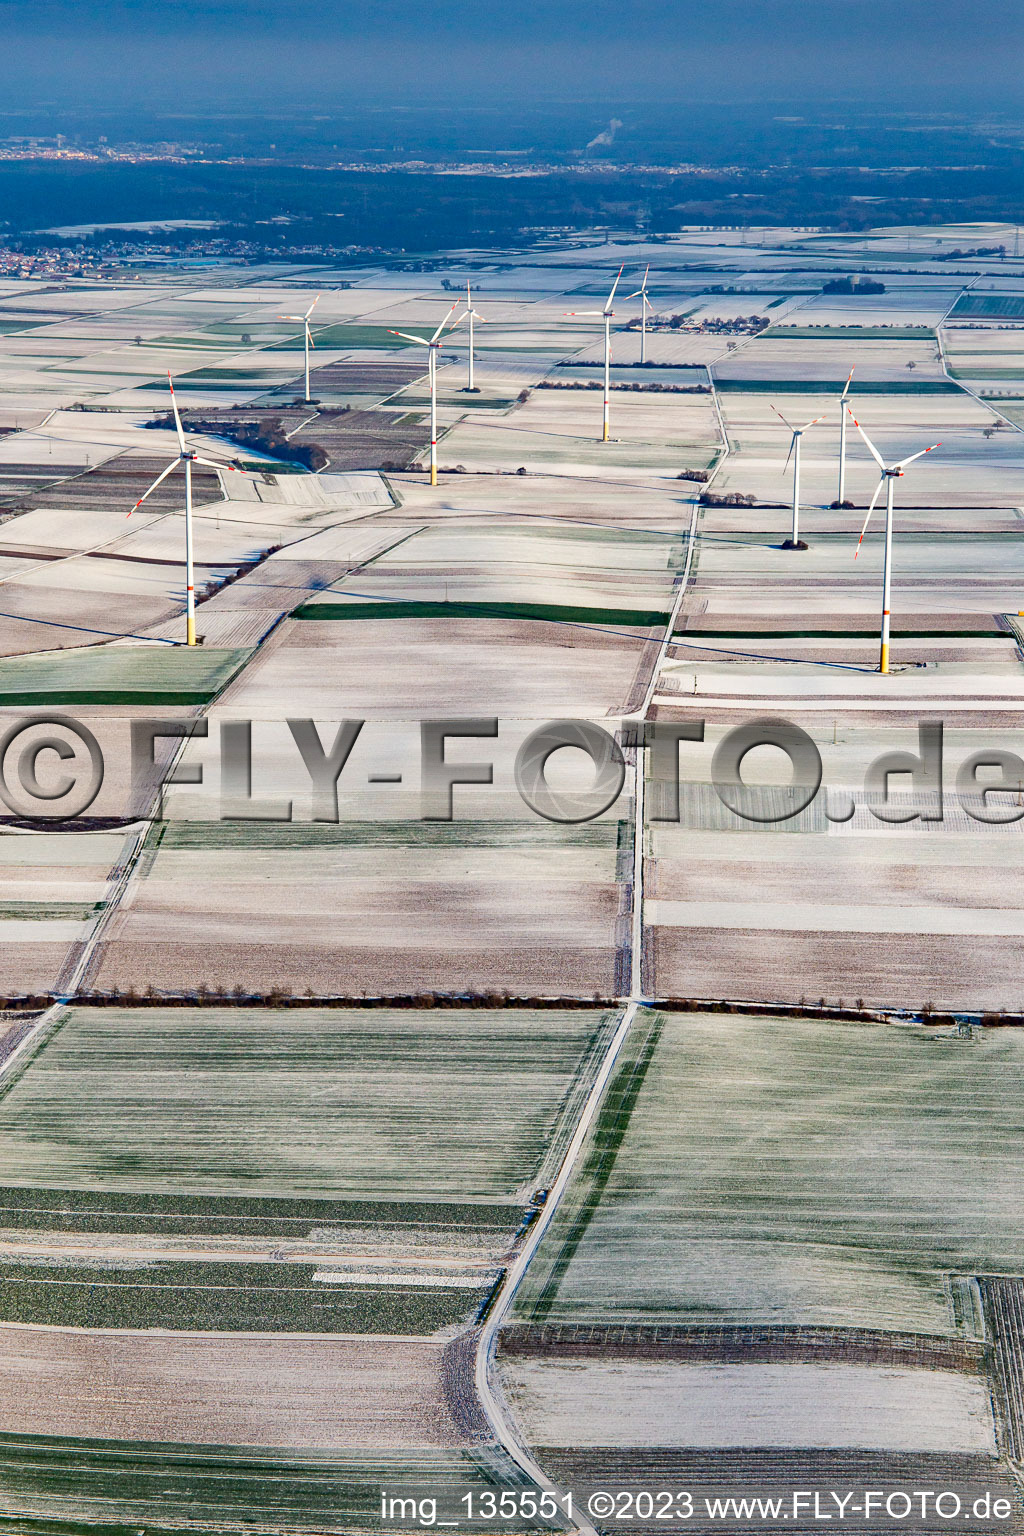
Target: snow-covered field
833, 1406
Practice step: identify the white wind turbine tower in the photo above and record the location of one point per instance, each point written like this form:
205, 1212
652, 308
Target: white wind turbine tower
307, 333
188, 458
471, 314
434, 344
645, 305
889, 474
606, 314
842, 439
794, 541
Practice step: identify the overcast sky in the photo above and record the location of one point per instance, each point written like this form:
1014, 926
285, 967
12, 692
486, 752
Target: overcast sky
926, 53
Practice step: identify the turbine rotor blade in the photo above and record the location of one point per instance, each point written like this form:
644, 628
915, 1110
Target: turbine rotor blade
444, 322
611, 296
871, 508
813, 423
904, 462
177, 418
871, 447
213, 464
406, 337
789, 455
162, 476
311, 308
782, 418
846, 387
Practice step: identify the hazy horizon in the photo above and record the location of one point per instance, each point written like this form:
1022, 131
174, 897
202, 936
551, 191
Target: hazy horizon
392, 54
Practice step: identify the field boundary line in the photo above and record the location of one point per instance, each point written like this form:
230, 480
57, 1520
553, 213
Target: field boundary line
967, 390
35, 1039
493, 1407
240, 1333
491, 1401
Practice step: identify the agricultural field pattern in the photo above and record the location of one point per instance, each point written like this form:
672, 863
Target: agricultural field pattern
367, 1136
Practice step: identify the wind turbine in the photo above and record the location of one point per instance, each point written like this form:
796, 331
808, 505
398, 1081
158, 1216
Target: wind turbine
308, 334
645, 305
794, 541
188, 458
889, 474
842, 439
434, 344
470, 315
606, 314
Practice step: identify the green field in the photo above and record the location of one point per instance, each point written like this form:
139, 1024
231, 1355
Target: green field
113, 1488
733, 636
1013, 408
990, 306
122, 674
198, 343
303, 1102
848, 333
981, 371
254, 375
342, 337
224, 1298
233, 330
36, 911
553, 613
228, 382
835, 386
777, 1171
453, 395
143, 1212
464, 833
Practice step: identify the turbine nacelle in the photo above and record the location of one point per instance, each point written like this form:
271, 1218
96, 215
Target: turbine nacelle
796, 433
185, 455
434, 342
304, 319
607, 312
470, 311
433, 345
887, 472
641, 292
188, 457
